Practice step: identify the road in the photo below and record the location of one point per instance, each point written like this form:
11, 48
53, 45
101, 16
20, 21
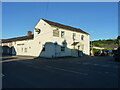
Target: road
69, 72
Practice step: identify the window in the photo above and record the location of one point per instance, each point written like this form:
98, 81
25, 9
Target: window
62, 34
82, 37
25, 49
57, 29
20, 44
56, 33
74, 35
62, 48
22, 49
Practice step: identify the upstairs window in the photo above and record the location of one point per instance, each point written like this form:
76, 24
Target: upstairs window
62, 34
25, 49
74, 35
82, 37
55, 33
22, 49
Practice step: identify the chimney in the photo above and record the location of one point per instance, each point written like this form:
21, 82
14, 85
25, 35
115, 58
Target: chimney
29, 33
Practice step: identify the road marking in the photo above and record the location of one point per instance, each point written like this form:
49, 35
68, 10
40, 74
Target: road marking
105, 65
86, 63
67, 70
96, 64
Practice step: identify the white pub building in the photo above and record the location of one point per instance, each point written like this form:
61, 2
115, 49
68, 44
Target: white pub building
50, 39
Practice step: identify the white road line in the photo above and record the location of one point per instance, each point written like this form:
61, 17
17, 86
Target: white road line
67, 70
86, 63
96, 64
105, 65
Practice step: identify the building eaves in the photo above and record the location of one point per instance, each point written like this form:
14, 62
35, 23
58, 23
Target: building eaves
17, 39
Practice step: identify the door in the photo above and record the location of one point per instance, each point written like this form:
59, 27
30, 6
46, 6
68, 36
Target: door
57, 51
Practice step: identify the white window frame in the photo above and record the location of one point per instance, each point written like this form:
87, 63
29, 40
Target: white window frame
62, 34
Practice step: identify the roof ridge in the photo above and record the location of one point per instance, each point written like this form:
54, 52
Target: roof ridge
64, 26
59, 23
17, 38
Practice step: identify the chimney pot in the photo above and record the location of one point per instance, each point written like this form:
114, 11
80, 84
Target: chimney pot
29, 33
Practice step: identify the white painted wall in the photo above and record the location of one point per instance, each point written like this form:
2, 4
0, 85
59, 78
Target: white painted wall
68, 38
34, 46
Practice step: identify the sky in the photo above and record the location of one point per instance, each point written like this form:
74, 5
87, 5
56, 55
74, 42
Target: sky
99, 19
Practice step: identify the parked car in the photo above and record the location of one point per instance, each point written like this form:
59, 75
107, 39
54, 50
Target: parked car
109, 52
99, 53
104, 53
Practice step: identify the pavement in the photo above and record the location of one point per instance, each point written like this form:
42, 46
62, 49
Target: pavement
69, 72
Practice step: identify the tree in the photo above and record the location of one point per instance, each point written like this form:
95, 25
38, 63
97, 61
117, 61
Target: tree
118, 41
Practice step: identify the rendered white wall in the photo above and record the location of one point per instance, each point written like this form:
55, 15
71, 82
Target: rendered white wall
34, 47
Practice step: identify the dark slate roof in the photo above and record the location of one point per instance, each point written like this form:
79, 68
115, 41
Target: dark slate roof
64, 26
17, 39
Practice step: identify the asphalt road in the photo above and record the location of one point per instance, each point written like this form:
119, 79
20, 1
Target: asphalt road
83, 72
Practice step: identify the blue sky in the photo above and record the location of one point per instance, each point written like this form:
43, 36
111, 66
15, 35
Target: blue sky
99, 19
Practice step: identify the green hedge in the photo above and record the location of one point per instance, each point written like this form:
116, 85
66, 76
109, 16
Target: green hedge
95, 50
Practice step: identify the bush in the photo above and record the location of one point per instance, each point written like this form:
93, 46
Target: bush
95, 50
108, 49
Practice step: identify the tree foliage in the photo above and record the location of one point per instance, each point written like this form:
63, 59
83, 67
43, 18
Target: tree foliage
102, 43
118, 40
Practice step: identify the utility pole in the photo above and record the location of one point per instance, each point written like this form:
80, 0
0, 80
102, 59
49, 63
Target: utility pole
91, 51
